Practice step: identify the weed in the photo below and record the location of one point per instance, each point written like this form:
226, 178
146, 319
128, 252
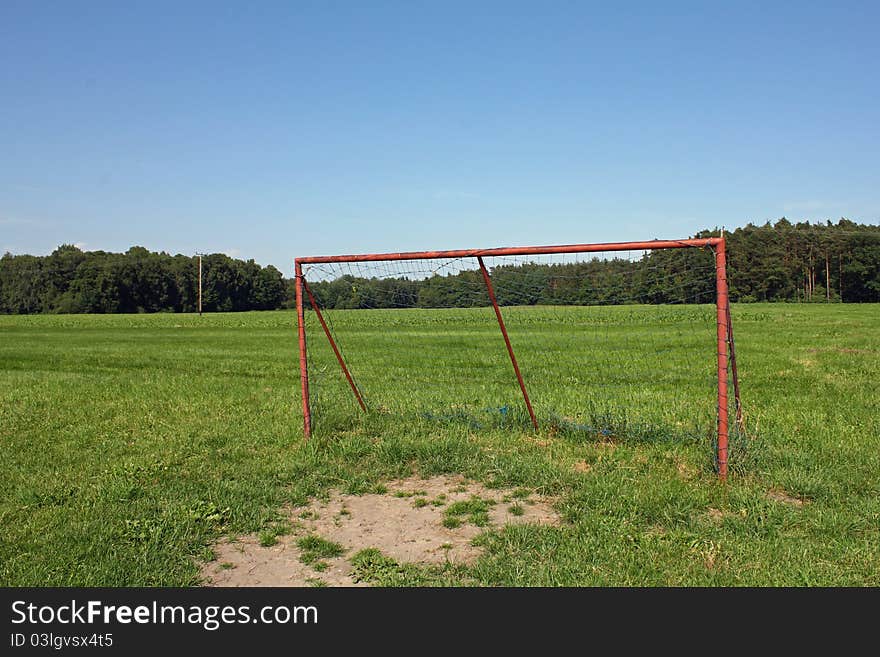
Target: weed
451, 522
475, 509
314, 548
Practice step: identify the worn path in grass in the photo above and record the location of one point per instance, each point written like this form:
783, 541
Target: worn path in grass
415, 522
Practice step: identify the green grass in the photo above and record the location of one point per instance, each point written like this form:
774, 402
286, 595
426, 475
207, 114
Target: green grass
373, 567
474, 511
315, 548
269, 535
132, 442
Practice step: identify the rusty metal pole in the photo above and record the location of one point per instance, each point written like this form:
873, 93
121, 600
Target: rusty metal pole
333, 345
721, 305
303, 357
522, 385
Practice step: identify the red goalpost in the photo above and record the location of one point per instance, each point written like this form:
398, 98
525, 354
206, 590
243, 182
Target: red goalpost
725, 357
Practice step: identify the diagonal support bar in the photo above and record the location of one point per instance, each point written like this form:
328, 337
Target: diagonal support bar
522, 386
345, 371
736, 399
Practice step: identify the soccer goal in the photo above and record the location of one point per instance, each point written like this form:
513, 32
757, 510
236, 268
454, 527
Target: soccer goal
629, 340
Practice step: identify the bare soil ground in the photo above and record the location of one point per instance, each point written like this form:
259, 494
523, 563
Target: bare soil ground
778, 495
405, 523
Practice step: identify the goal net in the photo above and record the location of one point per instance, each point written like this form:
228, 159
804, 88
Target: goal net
616, 342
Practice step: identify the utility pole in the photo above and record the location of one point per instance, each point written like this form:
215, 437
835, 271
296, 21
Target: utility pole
200, 282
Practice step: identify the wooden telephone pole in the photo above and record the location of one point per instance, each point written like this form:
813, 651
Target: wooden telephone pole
200, 282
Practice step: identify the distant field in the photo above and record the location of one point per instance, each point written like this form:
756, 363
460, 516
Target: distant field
130, 443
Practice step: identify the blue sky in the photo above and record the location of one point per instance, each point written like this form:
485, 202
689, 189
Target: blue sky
270, 130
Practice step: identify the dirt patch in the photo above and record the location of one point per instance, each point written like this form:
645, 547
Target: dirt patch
715, 515
685, 471
417, 520
778, 495
582, 466
244, 562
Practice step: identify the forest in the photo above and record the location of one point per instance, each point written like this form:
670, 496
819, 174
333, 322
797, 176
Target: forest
70, 280
800, 262
790, 262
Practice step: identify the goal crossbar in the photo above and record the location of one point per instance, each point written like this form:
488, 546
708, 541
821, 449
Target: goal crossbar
726, 355
517, 250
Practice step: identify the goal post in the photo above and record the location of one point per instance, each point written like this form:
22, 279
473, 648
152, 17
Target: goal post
344, 267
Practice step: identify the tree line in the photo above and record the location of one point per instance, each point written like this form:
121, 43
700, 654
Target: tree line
791, 262
800, 262
70, 280
805, 262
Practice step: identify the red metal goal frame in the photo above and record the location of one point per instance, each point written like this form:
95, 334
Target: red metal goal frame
726, 355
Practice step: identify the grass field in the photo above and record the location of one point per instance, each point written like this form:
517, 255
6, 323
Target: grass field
131, 442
